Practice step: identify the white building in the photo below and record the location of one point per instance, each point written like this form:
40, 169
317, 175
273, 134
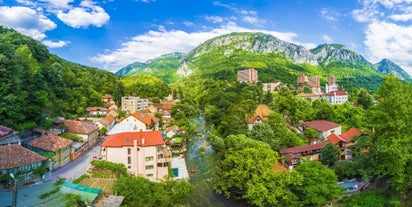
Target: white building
336, 97
143, 153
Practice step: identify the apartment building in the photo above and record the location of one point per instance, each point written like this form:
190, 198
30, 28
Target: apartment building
132, 104
249, 76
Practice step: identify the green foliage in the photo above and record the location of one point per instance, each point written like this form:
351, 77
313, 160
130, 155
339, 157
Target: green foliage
319, 184
329, 154
103, 131
372, 199
364, 99
47, 194
73, 200
392, 135
73, 137
116, 167
60, 181
164, 193
145, 86
253, 178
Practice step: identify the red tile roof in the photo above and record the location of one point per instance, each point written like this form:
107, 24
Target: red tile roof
12, 156
50, 142
321, 125
334, 138
301, 149
145, 118
80, 127
351, 133
151, 138
338, 93
110, 118
107, 96
167, 105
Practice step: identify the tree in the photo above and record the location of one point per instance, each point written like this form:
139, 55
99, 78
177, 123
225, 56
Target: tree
253, 177
391, 136
319, 184
329, 154
364, 99
263, 132
323, 109
165, 193
310, 133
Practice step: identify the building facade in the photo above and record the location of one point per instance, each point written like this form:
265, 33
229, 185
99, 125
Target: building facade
132, 104
249, 76
143, 153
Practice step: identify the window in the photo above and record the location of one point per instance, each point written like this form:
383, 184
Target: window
149, 158
149, 175
129, 160
149, 167
129, 151
129, 167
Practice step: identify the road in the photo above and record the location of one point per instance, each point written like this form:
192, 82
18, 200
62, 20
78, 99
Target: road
28, 195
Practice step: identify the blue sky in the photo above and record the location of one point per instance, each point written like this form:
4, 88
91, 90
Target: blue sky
111, 34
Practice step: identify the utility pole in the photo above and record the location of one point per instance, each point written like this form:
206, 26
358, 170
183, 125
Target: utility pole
14, 187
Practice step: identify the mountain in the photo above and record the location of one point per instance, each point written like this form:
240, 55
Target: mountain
221, 57
164, 67
386, 66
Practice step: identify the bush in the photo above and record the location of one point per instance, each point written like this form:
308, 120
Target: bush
47, 194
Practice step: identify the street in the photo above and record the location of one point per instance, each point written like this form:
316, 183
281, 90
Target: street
28, 195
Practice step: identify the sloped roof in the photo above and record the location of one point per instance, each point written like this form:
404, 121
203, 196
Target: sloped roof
167, 105
12, 156
151, 138
109, 118
172, 128
300, 149
338, 93
50, 142
107, 96
80, 127
334, 138
145, 118
96, 108
262, 111
5, 131
321, 125
351, 133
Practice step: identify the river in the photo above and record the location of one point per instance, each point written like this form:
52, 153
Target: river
201, 157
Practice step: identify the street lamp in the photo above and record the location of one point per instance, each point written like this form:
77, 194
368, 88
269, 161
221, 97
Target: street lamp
14, 189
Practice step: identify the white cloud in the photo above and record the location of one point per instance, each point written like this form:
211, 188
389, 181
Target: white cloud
327, 38
155, 43
326, 14
88, 14
214, 19
389, 40
145, 1
51, 44
26, 21
401, 17
188, 23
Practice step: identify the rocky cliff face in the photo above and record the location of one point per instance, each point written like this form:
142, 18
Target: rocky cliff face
386, 66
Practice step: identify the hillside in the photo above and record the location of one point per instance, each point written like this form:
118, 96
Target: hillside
37, 85
220, 57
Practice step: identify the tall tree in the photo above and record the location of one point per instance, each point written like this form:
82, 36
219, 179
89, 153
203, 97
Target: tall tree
319, 184
329, 154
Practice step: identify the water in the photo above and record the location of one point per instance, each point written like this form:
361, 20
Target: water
200, 157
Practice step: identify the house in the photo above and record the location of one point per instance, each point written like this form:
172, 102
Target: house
58, 126
143, 153
8, 136
173, 130
336, 97
132, 104
323, 127
343, 142
86, 130
310, 96
108, 122
142, 121
98, 111
107, 98
294, 154
260, 115
52, 143
23, 163
249, 76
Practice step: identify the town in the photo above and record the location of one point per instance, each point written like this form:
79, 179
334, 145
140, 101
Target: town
141, 135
